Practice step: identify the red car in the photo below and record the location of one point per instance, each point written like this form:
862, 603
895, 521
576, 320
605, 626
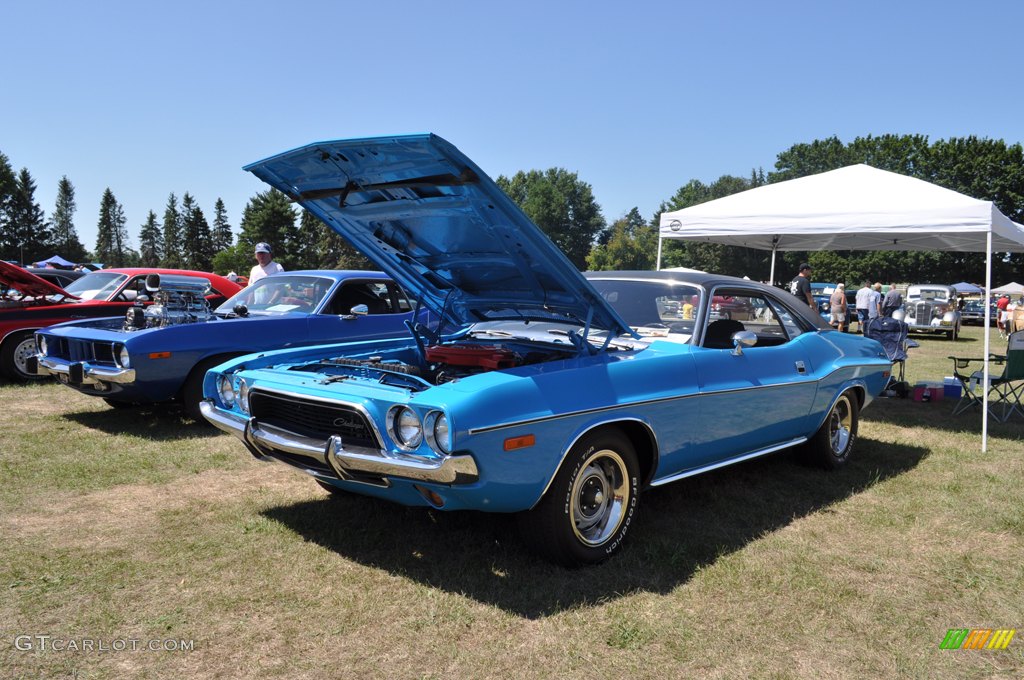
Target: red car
29, 303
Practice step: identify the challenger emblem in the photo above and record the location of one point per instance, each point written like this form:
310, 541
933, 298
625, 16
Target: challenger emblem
344, 422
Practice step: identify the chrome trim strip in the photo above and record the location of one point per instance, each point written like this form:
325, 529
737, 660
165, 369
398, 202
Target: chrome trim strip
449, 470
90, 374
346, 462
730, 461
645, 402
222, 420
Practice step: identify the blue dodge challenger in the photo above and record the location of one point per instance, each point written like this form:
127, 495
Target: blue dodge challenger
541, 392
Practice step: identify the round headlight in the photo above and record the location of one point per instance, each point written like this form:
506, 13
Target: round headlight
123, 358
243, 396
441, 435
41, 344
406, 428
226, 391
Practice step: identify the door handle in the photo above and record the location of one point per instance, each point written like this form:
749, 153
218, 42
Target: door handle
800, 368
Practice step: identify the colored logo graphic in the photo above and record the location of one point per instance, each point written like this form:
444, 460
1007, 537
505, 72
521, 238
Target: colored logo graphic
977, 638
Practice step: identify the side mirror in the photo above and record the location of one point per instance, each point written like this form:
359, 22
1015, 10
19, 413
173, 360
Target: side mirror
240, 310
360, 310
741, 339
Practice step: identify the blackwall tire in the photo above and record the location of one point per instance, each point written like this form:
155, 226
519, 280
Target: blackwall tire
591, 504
16, 350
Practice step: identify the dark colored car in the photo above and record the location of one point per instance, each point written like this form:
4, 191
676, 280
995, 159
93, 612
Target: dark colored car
62, 278
973, 313
165, 355
37, 304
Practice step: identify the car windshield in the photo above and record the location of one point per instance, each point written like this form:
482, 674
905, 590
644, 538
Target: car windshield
280, 294
932, 295
97, 285
653, 308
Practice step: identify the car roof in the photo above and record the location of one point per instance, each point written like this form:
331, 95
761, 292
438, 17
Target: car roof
708, 280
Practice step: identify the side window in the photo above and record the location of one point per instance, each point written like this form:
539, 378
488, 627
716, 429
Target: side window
735, 310
400, 302
373, 294
788, 321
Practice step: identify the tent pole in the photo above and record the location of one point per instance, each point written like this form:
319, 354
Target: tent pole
657, 267
771, 276
984, 307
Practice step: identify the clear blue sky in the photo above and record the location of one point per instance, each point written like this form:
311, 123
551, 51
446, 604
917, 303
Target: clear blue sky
636, 97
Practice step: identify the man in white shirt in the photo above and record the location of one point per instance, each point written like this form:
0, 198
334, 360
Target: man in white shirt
266, 265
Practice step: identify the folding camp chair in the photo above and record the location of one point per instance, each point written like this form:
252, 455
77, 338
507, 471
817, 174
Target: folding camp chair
892, 334
1005, 391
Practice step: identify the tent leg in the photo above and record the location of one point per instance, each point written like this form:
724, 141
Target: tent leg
984, 308
657, 267
771, 276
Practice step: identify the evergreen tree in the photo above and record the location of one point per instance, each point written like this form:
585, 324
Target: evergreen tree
150, 242
27, 234
222, 236
171, 251
65, 236
9, 246
327, 249
123, 254
269, 217
197, 243
105, 228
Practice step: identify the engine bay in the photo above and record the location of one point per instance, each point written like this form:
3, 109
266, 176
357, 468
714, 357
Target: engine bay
174, 302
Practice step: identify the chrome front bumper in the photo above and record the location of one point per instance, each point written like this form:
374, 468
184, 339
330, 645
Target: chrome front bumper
348, 463
82, 373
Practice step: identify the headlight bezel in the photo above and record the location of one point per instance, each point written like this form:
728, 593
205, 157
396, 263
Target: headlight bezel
122, 357
226, 390
396, 427
437, 430
41, 345
242, 396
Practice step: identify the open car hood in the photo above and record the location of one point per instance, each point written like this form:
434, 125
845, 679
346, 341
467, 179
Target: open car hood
13, 276
430, 218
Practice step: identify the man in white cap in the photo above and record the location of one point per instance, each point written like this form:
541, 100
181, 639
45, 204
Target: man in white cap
266, 265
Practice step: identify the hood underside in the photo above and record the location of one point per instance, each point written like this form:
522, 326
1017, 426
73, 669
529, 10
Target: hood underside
13, 276
430, 218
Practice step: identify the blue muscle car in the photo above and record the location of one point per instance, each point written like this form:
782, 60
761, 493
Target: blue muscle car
547, 395
161, 352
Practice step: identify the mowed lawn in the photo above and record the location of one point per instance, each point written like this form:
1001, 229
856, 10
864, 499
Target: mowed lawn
120, 525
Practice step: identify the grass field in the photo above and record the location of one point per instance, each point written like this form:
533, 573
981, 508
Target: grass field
120, 525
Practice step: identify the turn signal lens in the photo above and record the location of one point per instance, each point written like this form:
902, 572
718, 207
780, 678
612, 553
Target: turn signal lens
526, 441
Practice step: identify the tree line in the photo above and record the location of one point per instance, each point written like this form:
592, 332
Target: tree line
558, 201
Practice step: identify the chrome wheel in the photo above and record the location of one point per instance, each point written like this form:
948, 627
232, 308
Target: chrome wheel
840, 426
24, 348
599, 497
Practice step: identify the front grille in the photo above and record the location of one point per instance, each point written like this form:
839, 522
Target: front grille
74, 349
315, 419
923, 312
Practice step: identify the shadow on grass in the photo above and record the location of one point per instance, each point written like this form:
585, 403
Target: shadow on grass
681, 528
938, 415
159, 422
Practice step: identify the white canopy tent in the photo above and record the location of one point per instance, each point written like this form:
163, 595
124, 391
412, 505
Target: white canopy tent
1012, 288
853, 208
